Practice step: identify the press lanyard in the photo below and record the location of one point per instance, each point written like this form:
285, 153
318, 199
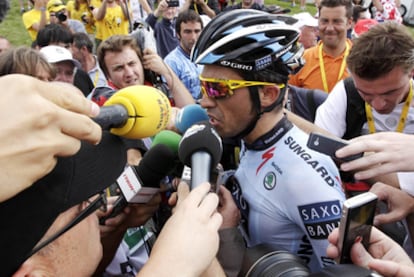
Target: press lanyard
403, 116
95, 81
322, 66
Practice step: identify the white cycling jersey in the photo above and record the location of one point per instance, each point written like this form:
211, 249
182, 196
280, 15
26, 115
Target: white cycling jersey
289, 196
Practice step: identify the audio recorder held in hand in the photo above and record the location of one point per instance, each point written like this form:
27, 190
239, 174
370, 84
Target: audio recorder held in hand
329, 145
357, 219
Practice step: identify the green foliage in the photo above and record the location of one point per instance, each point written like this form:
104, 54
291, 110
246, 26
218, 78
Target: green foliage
12, 26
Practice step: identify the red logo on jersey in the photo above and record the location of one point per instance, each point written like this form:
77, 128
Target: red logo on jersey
265, 157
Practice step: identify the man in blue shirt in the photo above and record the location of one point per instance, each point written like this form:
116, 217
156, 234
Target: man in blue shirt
188, 27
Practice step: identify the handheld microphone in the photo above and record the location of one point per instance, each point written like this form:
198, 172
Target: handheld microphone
189, 115
201, 149
135, 112
139, 183
168, 138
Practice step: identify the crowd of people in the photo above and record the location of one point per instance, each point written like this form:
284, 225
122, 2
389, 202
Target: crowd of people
265, 81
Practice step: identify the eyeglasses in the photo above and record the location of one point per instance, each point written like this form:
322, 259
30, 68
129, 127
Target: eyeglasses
98, 203
219, 88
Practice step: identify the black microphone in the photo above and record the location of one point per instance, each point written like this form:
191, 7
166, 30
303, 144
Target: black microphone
201, 149
139, 183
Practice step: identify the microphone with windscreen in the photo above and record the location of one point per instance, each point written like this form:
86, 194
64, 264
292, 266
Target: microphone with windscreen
200, 149
138, 184
135, 112
189, 115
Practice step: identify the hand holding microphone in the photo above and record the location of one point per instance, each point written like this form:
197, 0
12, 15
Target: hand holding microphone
135, 112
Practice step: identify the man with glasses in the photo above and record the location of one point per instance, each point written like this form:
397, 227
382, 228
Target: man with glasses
289, 196
51, 228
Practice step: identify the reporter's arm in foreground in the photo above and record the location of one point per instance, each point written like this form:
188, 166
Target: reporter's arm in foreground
40, 121
384, 255
188, 242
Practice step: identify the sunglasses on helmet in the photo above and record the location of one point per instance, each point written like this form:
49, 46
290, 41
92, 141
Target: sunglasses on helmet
219, 88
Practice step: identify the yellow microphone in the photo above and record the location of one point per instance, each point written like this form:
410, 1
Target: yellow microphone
135, 112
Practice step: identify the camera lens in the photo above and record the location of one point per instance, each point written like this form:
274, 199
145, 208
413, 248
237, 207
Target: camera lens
61, 16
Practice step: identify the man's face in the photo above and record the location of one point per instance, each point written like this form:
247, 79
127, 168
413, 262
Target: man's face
385, 92
230, 115
333, 26
79, 250
170, 13
77, 53
65, 71
189, 33
308, 36
124, 68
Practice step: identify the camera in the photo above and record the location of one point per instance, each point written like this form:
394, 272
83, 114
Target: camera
265, 260
173, 3
61, 16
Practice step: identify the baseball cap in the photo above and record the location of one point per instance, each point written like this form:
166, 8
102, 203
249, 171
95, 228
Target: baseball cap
363, 25
55, 6
27, 216
55, 54
305, 19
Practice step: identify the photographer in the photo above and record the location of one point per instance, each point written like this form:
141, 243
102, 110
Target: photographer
58, 14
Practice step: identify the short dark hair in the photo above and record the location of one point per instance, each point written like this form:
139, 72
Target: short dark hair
337, 3
356, 11
82, 39
187, 16
381, 49
53, 33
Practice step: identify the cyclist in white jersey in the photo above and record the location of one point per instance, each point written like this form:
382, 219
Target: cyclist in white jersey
289, 196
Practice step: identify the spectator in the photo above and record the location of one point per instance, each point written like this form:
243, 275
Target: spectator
164, 28
244, 4
82, 10
25, 60
56, 34
326, 62
308, 26
59, 15
387, 10
61, 59
124, 64
247, 102
210, 8
36, 18
22, 8
111, 19
382, 68
188, 28
82, 50
4, 44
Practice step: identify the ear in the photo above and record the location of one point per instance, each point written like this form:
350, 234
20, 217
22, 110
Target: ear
268, 95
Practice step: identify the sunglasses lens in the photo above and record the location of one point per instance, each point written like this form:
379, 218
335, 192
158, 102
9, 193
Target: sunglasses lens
215, 90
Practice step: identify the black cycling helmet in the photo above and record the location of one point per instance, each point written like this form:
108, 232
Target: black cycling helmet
258, 45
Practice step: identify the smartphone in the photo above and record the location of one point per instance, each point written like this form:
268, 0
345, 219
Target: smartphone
173, 3
356, 221
328, 146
